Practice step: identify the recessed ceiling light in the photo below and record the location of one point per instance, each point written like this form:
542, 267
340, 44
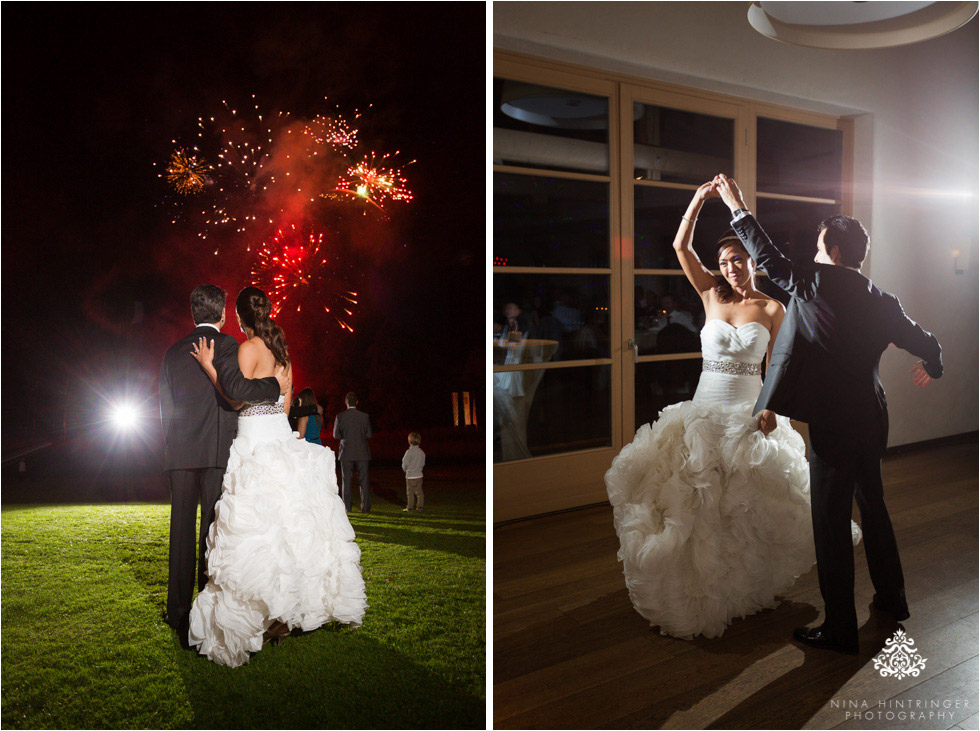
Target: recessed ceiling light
858, 25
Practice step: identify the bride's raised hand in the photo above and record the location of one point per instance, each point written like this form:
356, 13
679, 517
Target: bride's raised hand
203, 352
706, 191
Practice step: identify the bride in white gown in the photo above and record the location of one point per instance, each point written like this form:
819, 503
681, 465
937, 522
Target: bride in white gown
712, 504
281, 550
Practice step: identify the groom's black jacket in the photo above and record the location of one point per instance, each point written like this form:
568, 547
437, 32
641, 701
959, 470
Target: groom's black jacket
824, 368
198, 424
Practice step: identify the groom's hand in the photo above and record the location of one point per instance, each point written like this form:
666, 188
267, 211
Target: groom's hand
729, 192
767, 422
282, 378
919, 376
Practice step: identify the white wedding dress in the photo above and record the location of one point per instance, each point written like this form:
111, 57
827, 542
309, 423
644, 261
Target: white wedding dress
281, 546
713, 517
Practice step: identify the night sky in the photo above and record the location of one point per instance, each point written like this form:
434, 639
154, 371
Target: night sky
96, 278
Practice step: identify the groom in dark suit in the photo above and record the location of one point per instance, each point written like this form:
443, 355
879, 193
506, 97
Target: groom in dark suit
198, 429
824, 371
353, 428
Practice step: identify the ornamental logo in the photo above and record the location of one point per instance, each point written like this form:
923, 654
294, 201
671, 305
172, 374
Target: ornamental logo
900, 659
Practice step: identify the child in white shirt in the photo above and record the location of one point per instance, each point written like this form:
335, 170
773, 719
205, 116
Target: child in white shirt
412, 464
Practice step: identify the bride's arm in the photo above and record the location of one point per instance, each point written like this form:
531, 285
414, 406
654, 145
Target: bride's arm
767, 418
777, 313
697, 273
289, 390
203, 352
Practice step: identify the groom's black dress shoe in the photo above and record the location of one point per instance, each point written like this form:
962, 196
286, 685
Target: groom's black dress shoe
819, 637
899, 613
182, 626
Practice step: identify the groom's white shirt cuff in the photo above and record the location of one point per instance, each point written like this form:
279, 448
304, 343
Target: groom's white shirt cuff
740, 216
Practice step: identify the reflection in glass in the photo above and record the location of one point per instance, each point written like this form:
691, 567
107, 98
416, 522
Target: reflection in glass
657, 214
547, 411
668, 315
569, 310
543, 127
681, 147
795, 159
539, 221
661, 383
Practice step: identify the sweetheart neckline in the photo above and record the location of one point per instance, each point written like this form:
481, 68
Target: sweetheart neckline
736, 327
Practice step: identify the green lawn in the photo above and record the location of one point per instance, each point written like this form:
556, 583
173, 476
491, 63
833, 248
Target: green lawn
85, 646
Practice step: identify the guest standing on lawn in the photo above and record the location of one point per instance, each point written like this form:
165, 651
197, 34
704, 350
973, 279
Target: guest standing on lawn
412, 464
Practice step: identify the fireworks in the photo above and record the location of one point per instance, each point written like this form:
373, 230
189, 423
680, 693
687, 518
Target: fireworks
375, 184
249, 174
332, 131
186, 173
252, 171
294, 269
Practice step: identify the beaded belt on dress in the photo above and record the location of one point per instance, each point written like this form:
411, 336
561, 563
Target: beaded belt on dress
262, 409
732, 367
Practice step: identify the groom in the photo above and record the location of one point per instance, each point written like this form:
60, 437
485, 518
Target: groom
198, 428
824, 371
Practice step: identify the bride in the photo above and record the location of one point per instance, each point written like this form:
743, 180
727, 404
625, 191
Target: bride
281, 551
712, 505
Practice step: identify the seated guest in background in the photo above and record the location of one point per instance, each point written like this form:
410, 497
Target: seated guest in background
516, 320
309, 427
566, 313
674, 316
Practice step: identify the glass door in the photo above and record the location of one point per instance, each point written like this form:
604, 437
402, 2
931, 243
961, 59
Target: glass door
555, 389
672, 144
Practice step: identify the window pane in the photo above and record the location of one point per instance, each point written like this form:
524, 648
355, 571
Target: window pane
662, 383
547, 317
657, 214
680, 147
668, 315
542, 127
539, 221
795, 159
548, 411
792, 226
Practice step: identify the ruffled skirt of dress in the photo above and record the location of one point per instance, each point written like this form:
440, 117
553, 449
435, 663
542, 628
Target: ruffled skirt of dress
281, 546
713, 517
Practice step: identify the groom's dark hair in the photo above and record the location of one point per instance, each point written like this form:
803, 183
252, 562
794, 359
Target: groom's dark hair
208, 304
351, 399
848, 235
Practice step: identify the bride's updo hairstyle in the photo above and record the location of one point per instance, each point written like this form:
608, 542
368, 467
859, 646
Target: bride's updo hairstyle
728, 240
254, 308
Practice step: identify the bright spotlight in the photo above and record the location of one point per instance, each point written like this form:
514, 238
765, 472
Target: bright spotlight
124, 416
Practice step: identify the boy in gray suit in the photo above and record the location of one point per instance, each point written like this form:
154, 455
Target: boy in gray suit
353, 429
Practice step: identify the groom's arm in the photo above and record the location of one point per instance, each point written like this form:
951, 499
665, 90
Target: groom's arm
234, 385
795, 280
166, 399
909, 336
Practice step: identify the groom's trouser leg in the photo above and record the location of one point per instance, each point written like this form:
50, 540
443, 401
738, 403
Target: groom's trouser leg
210, 492
347, 478
363, 466
880, 545
832, 481
184, 486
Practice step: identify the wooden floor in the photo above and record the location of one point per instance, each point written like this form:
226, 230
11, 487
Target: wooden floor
570, 651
